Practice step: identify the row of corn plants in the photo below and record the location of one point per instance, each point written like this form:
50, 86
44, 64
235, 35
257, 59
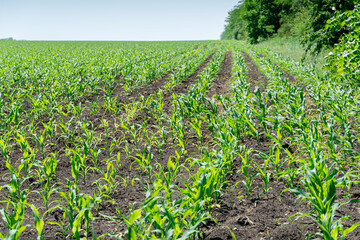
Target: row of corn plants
42, 88
316, 120
171, 211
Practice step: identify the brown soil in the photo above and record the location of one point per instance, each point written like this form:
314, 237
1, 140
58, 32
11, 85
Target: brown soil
221, 85
254, 76
291, 79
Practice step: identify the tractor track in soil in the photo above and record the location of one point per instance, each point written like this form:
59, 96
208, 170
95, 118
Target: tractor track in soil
221, 85
254, 76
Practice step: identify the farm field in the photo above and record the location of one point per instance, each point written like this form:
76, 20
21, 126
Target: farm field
174, 140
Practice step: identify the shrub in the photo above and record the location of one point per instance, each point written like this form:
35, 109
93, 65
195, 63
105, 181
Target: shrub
344, 60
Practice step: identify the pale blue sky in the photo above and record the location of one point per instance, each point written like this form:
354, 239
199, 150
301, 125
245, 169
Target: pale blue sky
113, 19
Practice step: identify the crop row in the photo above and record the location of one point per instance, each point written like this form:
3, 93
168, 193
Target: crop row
82, 140
100, 128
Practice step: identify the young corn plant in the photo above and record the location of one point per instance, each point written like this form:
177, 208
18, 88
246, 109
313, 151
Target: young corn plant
76, 209
13, 219
274, 158
5, 149
118, 160
145, 161
160, 145
111, 178
39, 222
135, 135
251, 126
47, 171
50, 128
171, 174
247, 171
69, 131
261, 102
110, 143
95, 153
16, 192
148, 135
196, 125
78, 163
77, 111
290, 174
321, 193
41, 141
156, 109
265, 176
28, 161
177, 125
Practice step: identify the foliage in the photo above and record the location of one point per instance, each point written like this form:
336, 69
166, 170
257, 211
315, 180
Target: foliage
257, 20
294, 21
344, 60
303, 19
317, 35
263, 19
235, 29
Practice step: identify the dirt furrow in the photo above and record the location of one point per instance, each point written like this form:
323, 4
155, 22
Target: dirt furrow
255, 217
183, 88
254, 76
221, 85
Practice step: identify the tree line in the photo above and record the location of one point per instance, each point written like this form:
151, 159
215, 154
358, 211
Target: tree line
257, 20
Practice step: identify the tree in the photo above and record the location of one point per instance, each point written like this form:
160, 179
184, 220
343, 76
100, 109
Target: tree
344, 60
8, 39
317, 37
262, 17
236, 25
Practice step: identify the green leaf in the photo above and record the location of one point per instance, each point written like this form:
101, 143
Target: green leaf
11, 234
170, 165
350, 229
134, 216
232, 234
132, 234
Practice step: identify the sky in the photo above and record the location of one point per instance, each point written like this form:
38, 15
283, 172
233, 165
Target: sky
138, 20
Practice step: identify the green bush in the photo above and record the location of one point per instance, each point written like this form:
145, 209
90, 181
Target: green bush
294, 24
263, 19
317, 37
235, 27
344, 60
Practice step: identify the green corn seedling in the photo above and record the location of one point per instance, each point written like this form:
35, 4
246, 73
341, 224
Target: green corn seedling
247, 171
14, 220
265, 177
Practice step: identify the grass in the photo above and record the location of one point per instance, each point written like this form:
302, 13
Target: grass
291, 47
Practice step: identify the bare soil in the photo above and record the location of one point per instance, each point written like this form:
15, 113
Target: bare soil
254, 76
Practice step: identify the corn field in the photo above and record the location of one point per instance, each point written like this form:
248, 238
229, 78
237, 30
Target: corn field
174, 140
